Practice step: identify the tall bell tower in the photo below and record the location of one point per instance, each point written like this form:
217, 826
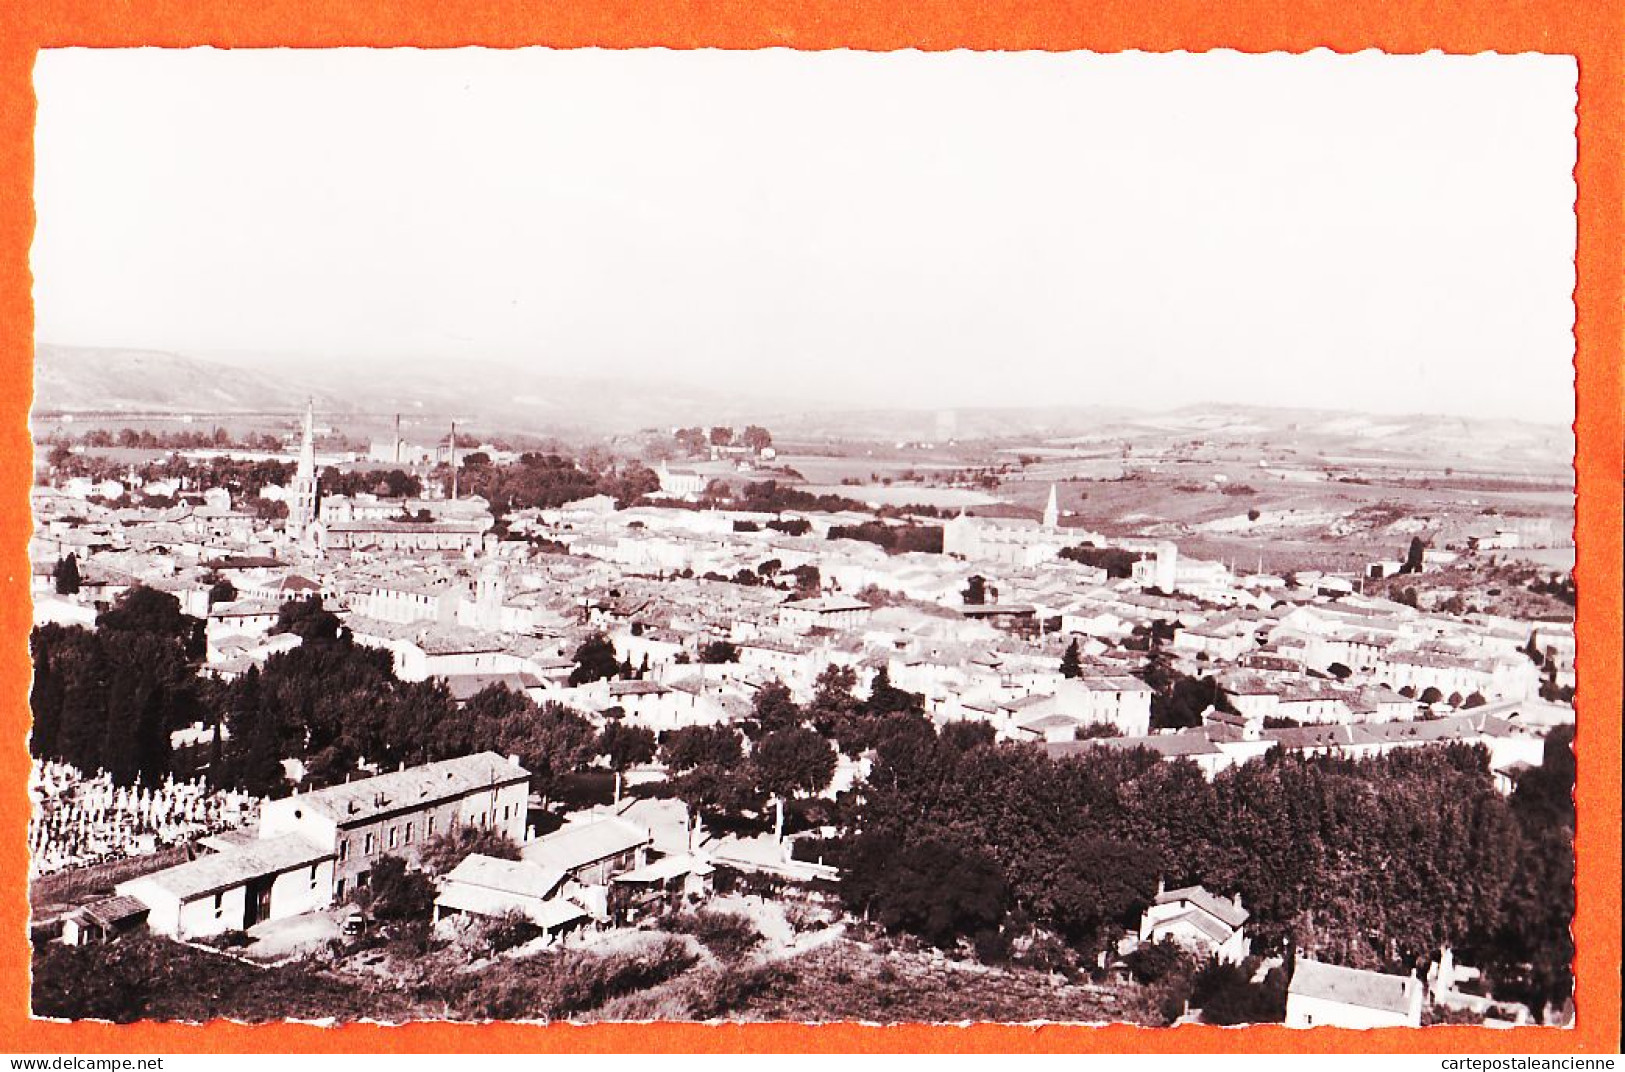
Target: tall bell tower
302, 504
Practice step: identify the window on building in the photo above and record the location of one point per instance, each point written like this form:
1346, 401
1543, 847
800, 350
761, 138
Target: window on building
409, 833
313, 876
339, 889
394, 836
344, 850
219, 905
430, 831
366, 848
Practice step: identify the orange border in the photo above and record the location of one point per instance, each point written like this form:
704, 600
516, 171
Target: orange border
1589, 29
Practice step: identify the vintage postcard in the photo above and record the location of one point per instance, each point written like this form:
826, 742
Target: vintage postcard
649, 538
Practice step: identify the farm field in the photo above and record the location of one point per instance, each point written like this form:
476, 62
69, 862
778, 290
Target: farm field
905, 495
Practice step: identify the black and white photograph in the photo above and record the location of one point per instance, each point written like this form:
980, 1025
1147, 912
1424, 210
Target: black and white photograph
771, 536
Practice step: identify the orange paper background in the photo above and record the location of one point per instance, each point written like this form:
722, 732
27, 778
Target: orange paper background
1588, 29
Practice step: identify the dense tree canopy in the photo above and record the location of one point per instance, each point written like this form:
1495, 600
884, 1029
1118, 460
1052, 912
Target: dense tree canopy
1114, 560
935, 887
108, 699
1373, 862
395, 892
773, 708
1177, 699
719, 651
792, 762
626, 746
595, 660
699, 746
308, 619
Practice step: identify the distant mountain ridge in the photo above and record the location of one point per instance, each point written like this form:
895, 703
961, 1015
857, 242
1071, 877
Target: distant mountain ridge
79, 379
504, 398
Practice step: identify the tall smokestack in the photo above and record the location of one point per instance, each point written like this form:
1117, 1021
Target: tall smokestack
397, 439
454, 459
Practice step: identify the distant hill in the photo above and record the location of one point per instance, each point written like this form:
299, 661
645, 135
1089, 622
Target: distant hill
1299, 432
1428, 438
511, 399
79, 379
88, 379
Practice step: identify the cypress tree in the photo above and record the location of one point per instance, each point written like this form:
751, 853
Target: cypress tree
66, 575
44, 698
1071, 662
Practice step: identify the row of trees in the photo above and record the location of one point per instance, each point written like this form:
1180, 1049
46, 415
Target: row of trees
786, 752
547, 481
697, 441
387, 484
1114, 560
1374, 863
241, 477
109, 698
895, 539
183, 439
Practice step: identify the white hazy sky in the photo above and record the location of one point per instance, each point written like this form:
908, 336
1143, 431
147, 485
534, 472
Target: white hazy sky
1369, 232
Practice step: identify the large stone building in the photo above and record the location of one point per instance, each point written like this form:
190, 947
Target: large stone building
313, 849
385, 815
405, 537
1012, 541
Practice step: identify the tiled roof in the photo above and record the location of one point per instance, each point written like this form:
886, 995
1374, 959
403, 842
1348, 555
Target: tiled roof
113, 910
637, 688
508, 876
581, 844
223, 870
414, 787
1353, 986
1167, 745
1227, 911
392, 526
466, 686
1201, 921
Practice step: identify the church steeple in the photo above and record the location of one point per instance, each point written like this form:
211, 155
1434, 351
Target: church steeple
1052, 511
307, 445
302, 503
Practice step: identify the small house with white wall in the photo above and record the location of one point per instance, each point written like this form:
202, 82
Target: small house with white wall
1196, 920
1326, 995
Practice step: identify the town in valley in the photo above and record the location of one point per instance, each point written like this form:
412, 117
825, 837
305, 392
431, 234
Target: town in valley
359, 709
